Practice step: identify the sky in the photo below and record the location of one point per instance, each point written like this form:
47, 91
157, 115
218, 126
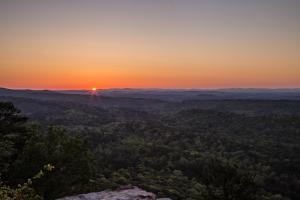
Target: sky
81, 44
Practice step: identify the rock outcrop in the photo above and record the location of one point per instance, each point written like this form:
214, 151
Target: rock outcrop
134, 193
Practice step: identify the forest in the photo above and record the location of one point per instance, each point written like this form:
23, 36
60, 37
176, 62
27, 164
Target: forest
57, 144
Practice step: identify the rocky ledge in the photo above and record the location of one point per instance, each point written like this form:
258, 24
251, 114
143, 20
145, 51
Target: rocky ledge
134, 193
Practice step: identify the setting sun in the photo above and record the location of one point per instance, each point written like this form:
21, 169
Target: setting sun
194, 99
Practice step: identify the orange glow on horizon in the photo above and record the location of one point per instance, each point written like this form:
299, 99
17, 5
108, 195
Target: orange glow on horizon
190, 45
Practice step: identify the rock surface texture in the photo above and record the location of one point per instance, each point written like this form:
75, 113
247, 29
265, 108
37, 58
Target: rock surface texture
134, 193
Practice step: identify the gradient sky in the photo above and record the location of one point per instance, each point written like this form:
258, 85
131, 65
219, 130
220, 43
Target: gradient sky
75, 44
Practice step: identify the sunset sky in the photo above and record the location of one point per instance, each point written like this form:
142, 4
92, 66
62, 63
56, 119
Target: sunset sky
80, 44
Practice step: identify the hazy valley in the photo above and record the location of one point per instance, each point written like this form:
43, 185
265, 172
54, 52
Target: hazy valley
175, 143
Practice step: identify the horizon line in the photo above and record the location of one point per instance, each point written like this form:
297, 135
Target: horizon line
150, 88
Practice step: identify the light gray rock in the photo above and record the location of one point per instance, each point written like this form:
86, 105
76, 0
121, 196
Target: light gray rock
164, 199
128, 194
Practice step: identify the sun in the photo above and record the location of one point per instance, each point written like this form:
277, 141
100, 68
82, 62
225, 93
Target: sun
94, 89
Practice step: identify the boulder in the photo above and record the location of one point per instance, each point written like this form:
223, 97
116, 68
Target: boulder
134, 193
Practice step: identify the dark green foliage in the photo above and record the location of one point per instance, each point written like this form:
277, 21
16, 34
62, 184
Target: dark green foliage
70, 155
215, 155
26, 150
190, 154
24, 191
13, 135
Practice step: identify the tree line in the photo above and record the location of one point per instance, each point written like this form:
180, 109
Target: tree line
192, 154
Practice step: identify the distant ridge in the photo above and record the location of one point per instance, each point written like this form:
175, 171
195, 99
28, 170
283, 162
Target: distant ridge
162, 94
